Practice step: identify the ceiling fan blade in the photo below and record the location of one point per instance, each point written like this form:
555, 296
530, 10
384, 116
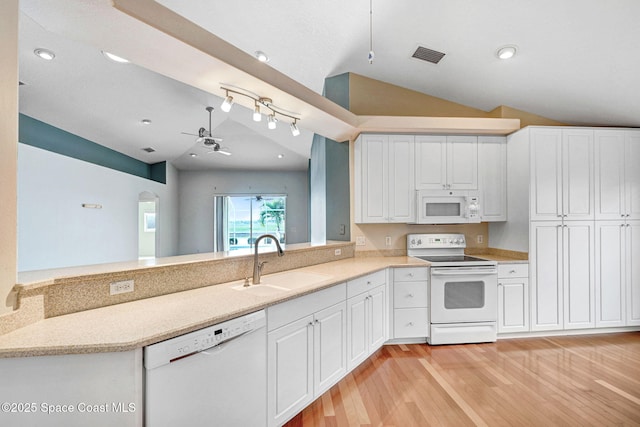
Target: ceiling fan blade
187, 133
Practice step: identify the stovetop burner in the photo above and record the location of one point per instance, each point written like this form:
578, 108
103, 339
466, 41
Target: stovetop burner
451, 258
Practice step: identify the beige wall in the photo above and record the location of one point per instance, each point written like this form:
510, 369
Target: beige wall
526, 119
8, 149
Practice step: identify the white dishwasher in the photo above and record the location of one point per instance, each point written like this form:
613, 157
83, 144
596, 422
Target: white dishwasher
216, 376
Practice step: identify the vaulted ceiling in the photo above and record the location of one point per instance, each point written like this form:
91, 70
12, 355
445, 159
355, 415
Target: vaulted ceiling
576, 62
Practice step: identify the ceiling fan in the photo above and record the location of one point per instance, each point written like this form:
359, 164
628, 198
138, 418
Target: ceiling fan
205, 138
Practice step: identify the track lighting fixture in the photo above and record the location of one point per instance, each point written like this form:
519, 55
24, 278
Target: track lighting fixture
226, 104
294, 128
260, 101
271, 121
257, 116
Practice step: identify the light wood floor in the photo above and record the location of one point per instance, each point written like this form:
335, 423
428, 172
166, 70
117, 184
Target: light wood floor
559, 381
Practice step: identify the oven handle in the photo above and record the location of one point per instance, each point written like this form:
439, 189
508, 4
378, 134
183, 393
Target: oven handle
461, 272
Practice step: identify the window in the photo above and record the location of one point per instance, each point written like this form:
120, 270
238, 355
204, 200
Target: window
239, 220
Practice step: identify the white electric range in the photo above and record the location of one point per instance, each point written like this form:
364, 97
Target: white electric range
463, 290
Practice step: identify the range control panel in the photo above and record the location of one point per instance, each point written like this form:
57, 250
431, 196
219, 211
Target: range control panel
435, 241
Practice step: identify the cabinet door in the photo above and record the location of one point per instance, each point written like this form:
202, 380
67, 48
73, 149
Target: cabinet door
357, 349
492, 178
610, 274
546, 276
374, 179
578, 283
462, 162
546, 174
632, 174
290, 373
431, 162
378, 312
513, 305
330, 347
577, 174
632, 258
401, 179
609, 175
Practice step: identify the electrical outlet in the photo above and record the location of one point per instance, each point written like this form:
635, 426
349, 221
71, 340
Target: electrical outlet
122, 287
480, 238
337, 252
343, 229
360, 241
387, 240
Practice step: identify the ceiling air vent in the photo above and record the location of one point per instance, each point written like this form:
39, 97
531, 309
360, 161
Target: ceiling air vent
428, 55
149, 150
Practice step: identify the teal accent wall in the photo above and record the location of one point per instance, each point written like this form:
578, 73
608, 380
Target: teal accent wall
42, 135
337, 157
336, 88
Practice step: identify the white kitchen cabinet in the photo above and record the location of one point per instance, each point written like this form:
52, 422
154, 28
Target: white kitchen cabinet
384, 179
492, 178
610, 273
632, 273
617, 156
562, 275
446, 162
366, 320
410, 303
562, 178
307, 355
513, 298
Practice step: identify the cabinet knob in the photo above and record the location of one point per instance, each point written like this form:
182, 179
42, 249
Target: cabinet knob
410, 274
512, 272
368, 282
410, 323
410, 296
310, 324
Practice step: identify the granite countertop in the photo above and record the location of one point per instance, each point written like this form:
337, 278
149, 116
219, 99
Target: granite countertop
135, 324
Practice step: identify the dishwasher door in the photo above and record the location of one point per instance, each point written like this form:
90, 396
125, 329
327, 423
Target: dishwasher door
189, 382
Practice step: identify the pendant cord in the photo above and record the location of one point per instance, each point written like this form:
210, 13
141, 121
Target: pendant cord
371, 54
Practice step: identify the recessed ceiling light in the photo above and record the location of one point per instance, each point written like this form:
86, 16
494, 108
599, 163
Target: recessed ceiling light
44, 54
281, 156
506, 52
193, 154
114, 58
145, 121
262, 57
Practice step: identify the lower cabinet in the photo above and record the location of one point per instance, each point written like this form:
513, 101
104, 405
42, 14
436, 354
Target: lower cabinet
513, 298
366, 325
410, 303
305, 356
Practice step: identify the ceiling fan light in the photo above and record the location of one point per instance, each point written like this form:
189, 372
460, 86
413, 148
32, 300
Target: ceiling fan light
271, 121
226, 104
294, 129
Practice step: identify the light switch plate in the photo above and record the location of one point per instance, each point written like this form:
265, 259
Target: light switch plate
360, 241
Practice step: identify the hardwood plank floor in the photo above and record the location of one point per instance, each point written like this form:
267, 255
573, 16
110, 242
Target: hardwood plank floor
589, 380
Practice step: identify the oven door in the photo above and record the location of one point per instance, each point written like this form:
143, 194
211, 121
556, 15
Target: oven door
464, 294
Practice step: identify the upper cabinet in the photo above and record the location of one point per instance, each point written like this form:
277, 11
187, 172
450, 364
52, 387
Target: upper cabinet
617, 156
492, 177
384, 179
562, 178
446, 162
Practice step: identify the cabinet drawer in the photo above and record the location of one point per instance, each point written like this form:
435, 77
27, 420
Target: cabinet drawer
410, 323
297, 308
410, 274
410, 294
506, 271
366, 283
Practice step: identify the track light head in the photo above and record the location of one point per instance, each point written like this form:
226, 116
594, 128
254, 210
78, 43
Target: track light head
257, 116
226, 104
294, 129
271, 121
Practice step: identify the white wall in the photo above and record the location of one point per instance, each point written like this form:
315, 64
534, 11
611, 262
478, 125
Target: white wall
197, 188
54, 230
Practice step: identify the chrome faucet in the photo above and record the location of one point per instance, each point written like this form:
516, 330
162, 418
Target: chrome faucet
257, 266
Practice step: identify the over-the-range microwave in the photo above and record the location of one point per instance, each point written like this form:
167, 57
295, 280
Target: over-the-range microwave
447, 207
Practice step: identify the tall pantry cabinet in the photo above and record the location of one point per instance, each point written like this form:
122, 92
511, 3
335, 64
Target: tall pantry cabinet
582, 189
